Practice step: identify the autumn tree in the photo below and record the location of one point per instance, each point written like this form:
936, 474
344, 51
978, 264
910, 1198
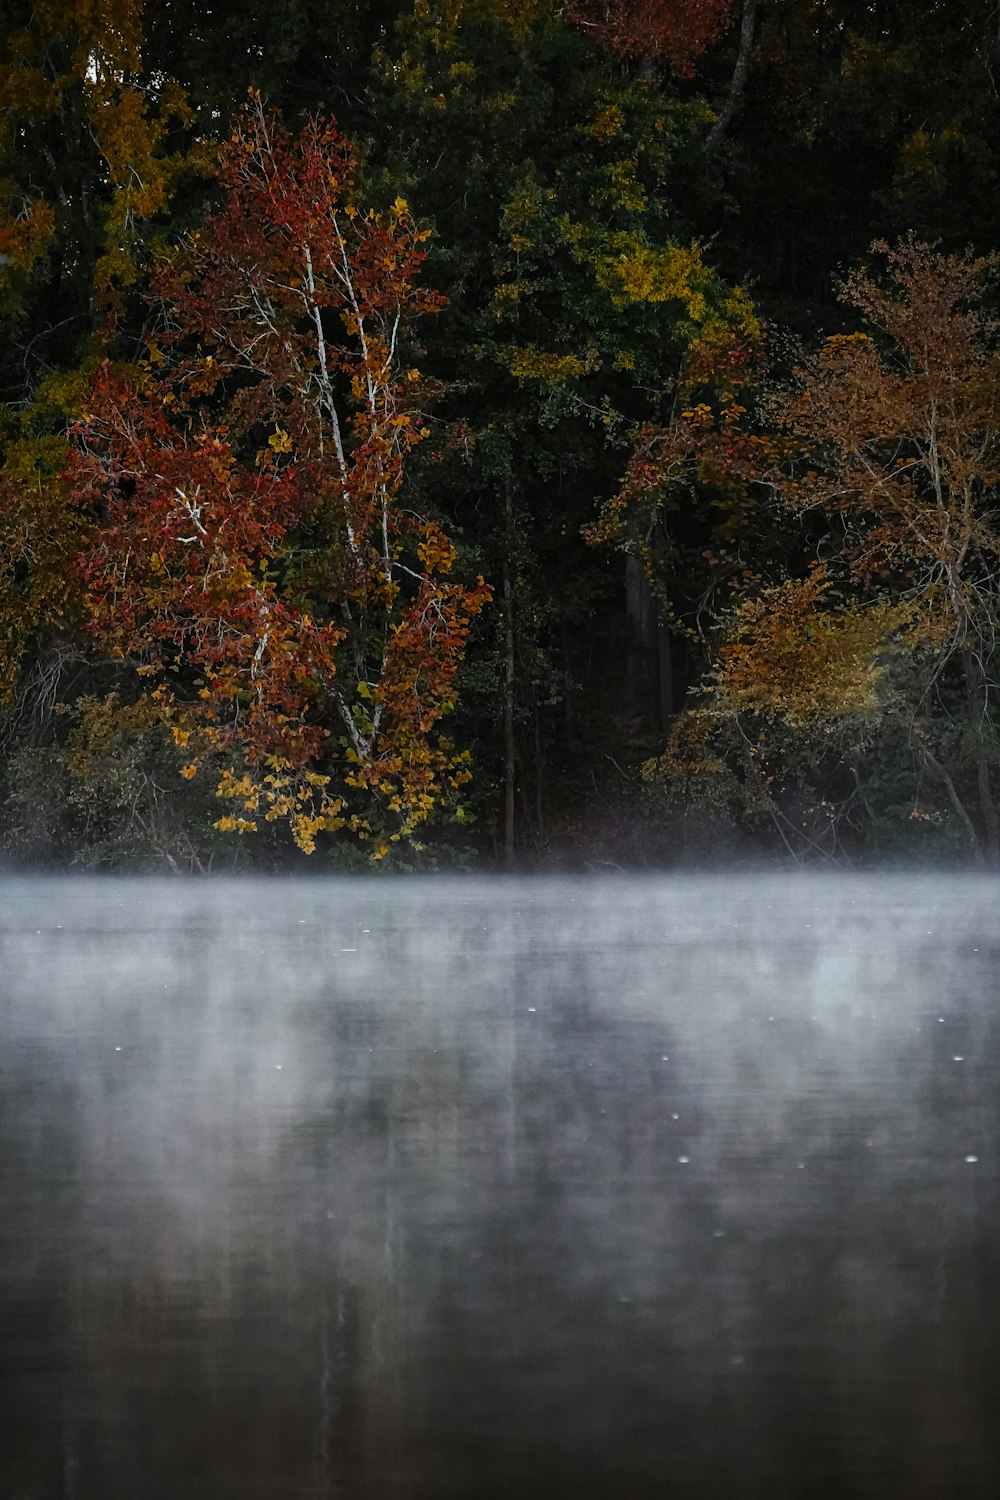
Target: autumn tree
678, 29
609, 187
89, 150
577, 287
888, 450
92, 147
901, 438
251, 554
95, 147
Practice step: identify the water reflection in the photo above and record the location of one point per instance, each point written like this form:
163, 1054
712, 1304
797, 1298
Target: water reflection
415, 1191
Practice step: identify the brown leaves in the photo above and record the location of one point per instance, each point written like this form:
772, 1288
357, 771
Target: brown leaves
792, 653
678, 29
899, 431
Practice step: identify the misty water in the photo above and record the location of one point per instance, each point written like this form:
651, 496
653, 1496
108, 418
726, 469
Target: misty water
412, 1190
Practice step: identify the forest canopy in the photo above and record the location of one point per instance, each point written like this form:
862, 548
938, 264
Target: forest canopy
470, 432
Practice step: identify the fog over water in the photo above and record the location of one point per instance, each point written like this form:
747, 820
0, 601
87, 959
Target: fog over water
426, 1189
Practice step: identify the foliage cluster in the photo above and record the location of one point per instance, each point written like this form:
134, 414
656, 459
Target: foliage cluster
466, 444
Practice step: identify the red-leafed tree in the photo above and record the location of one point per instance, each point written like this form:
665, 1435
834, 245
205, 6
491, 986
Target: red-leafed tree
678, 29
251, 553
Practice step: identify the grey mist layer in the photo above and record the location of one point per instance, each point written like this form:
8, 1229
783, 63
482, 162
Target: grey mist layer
420, 1190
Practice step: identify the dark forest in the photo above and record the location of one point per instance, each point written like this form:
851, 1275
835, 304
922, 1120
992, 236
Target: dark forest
536, 434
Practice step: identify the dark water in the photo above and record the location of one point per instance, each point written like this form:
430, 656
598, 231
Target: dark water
412, 1191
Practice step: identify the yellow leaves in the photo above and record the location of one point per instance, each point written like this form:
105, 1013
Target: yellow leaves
689, 753
528, 363
524, 207
189, 771
305, 828
280, 441
506, 295
25, 233
726, 324
738, 313
90, 53
626, 191
501, 103
436, 552
222, 465
105, 727
642, 273
295, 795
789, 657
608, 123
232, 786
235, 825
235, 580
400, 207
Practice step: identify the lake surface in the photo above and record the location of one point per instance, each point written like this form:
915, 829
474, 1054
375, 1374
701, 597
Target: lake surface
420, 1190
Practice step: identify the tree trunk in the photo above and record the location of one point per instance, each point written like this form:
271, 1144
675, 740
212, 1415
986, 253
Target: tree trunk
666, 674
976, 692
539, 778
509, 758
738, 82
649, 680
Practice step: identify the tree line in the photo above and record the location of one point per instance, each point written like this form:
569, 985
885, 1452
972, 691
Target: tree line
508, 432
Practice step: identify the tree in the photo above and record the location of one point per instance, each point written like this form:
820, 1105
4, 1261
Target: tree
848, 136
86, 163
577, 286
678, 29
901, 437
888, 449
250, 551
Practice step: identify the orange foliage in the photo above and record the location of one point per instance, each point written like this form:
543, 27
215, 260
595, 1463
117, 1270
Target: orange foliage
899, 434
